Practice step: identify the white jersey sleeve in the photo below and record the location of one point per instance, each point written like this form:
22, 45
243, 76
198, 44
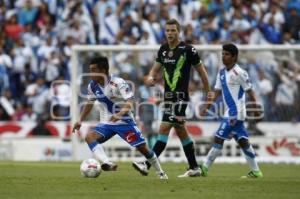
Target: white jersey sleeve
218, 85
244, 80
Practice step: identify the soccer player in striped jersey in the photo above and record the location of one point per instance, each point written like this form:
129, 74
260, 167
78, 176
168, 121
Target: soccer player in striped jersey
116, 99
232, 82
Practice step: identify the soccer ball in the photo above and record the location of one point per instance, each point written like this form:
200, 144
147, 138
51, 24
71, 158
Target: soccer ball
90, 168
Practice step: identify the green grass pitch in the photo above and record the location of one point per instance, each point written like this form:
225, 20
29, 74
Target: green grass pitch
63, 180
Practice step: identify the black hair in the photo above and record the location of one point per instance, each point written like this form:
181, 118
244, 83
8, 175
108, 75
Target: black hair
231, 48
101, 62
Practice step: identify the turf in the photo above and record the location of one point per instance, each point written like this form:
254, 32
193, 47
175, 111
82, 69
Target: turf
63, 180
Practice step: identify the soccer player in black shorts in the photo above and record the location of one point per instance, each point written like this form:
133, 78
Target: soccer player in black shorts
176, 59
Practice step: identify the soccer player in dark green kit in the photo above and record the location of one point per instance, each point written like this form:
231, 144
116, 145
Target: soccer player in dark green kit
176, 59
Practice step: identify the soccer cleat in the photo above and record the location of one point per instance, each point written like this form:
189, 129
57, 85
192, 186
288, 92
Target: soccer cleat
191, 173
109, 166
204, 170
141, 167
253, 174
163, 176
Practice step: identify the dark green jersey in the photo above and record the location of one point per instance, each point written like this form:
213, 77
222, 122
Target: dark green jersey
176, 65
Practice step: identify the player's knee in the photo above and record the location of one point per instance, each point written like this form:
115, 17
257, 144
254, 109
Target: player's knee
165, 129
244, 143
91, 136
143, 149
218, 140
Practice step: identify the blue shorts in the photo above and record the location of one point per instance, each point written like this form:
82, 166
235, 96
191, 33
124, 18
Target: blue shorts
130, 133
237, 131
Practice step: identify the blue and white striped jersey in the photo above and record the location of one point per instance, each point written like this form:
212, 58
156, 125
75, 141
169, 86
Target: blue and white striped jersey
111, 97
233, 84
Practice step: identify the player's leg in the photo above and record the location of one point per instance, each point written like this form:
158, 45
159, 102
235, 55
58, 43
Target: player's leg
213, 153
164, 130
162, 139
158, 148
152, 159
133, 136
94, 139
189, 151
223, 133
249, 153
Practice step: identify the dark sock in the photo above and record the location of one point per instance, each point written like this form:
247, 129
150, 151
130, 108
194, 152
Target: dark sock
157, 149
189, 151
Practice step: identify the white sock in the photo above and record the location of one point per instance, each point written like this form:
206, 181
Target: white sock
250, 157
214, 152
155, 163
100, 154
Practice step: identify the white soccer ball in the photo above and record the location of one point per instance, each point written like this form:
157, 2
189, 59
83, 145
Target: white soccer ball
90, 168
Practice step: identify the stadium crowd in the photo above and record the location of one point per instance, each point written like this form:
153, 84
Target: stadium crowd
36, 37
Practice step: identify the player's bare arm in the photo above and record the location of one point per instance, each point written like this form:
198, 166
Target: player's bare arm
253, 100
85, 111
150, 79
211, 98
200, 68
124, 110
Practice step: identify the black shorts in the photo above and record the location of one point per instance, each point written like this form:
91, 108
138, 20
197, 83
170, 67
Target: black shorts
172, 110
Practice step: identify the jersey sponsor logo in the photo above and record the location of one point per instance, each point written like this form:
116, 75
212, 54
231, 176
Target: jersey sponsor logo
98, 93
171, 118
131, 137
222, 77
167, 61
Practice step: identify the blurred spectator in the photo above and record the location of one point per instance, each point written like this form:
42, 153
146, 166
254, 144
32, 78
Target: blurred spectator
7, 104
108, 26
12, 28
28, 114
60, 93
36, 39
292, 24
265, 89
4, 79
40, 129
5, 59
285, 95
37, 94
27, 14
271, 32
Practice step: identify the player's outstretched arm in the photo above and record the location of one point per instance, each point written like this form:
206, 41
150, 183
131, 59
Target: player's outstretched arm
150, 79
85, 111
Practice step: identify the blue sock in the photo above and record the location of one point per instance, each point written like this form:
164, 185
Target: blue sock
92, 145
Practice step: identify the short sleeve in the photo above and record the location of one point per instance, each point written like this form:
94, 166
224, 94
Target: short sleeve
125, 90
90, 95
159, 55
218, 85
245, 81
194, 56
